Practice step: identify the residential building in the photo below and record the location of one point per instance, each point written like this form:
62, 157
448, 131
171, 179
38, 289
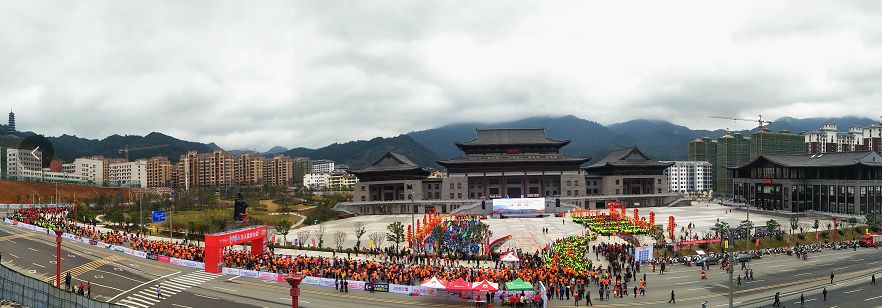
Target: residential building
248, 169
24, 164
340, 179
690, 176
278, 171
90, 170
105, 174
322, 166
61, 177
732, 150
838, 182
829, 140
68, 168
703, 149
159, 172
871, 138
132, 174
300, 166
205, 170
765, 141
316, 180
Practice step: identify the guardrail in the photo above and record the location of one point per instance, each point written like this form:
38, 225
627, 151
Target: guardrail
31, 292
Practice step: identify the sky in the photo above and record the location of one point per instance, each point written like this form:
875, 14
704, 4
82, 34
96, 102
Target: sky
255, 74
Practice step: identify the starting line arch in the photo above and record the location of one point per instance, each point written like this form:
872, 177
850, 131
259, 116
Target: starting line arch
215, 243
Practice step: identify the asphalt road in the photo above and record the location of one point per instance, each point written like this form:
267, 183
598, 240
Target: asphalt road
131, 281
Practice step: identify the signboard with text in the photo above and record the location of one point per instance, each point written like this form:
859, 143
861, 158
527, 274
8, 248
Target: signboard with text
519, 205
158, 216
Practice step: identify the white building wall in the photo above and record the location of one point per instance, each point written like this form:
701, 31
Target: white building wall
316, 181
22, 164
322, 166
129, 173
90, 170
689, 176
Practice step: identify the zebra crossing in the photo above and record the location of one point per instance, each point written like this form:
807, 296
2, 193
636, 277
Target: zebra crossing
147, 297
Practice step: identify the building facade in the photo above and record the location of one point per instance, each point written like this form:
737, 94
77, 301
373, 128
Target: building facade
205, 170
627, 172
132, 174
23, 165
159, 172
765, 141
278, 171
322, 166
829, 140
690, 176
248, 170
732, 150
90, 170
842, 182
316, 180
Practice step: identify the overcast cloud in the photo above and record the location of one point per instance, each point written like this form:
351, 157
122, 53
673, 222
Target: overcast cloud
254, 74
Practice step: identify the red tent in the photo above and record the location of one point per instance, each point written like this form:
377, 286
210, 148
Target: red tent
459, 285
485, 286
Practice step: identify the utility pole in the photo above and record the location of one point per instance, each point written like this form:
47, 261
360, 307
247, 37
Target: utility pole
141, 212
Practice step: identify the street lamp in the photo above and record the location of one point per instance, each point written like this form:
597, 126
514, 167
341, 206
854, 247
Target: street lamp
412, 221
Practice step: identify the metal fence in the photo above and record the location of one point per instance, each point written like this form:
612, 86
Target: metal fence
34, 293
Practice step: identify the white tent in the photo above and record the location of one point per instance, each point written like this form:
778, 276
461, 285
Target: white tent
434, 283
510, 257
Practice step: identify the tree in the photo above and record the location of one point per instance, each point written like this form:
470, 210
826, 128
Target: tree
794, 223
284, 208
302, 237
320, 235
851, 223
816, 225
829, 227
359, 232
282, 226
720, 228
874, 222
339, 238
747, 224
772, 225
377, 238
396, 233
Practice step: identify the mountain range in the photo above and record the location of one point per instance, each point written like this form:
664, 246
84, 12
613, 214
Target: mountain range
660, 140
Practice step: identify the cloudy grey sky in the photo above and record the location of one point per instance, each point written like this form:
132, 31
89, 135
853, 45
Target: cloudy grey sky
253, 74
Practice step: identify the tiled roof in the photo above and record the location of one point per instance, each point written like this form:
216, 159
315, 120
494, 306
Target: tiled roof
512, 136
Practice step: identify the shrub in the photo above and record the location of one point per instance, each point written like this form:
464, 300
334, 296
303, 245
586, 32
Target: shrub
800, 236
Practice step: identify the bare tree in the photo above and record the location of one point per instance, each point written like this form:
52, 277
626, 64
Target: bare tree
378, 238
302, 237
339, 238
320, 235
359, 232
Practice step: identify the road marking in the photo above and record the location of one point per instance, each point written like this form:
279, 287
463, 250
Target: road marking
99, 277
11, 241
38, 265
32, 249
208, 297
752, 281
33, 272
695, 289
14, 256
852, 291
182, 306
872, 298
840, 268
118, 275
231, 279
687, 282
53, 262
130, 303
779, 265
225, 289
803, 274
677, 277
140, 285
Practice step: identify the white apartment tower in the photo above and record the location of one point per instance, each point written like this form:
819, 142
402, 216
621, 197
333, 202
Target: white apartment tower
690, 176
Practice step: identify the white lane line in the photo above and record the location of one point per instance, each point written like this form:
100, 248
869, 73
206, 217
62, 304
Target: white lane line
208, 297
38, 265
688, 282
140, 285
231, 279
20, 258
182, 306
148, 298
779, 265
852, 291
840, 268
752, 281
130, 304
678, 277
872, 298
98, 284
803, 274
32, 249
225, 289
696, 289
115, 274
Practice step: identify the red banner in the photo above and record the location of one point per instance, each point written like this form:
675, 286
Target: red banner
714, 240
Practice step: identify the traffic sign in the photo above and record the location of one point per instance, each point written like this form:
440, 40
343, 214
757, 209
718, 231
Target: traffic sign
158, 216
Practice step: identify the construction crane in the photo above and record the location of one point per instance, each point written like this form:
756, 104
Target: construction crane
760, 121
126, 150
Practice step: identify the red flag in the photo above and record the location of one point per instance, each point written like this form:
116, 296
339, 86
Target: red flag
757, 243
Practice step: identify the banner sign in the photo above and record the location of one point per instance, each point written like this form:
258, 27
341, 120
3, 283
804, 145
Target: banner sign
268, 276
643, 253
240, 236
249, 274
163, 259
158, 216
381, 287
713, 240
311, 280
400, 289
230, 271
152, 256
326, 282
519, 205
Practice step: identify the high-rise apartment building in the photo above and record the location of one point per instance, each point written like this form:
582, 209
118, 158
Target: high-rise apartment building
201, 170
732, 150
24, 164
248, 170
159, 172
90, 170
690, 176
704, 149
765, 141
829, 140
132, 174
107, 161
278, 171
300, 166
322, 166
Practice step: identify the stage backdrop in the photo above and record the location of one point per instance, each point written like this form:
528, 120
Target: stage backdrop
519, 205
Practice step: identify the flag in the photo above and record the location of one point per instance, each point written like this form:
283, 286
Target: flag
757, 243
726, 244
371, 243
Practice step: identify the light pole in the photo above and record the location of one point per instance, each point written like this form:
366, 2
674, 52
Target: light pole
58, 234
412, 222
141, 212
